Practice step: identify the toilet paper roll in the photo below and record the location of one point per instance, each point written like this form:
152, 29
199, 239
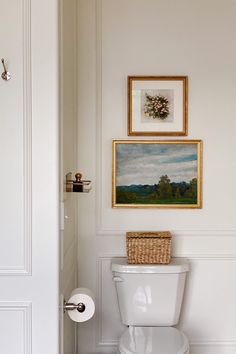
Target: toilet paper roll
84, 296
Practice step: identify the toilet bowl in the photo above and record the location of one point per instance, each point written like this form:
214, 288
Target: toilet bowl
153, 340
150, 299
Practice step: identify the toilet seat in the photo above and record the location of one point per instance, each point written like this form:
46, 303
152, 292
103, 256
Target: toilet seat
153, 340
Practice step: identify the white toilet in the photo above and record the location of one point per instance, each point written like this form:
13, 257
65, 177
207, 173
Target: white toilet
150, 299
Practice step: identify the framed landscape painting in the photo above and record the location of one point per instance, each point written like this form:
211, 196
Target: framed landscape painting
157, 105
157, 174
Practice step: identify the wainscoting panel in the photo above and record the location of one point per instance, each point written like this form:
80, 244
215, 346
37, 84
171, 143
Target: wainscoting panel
109, 324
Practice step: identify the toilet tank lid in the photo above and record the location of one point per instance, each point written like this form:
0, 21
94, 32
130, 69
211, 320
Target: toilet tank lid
177, 265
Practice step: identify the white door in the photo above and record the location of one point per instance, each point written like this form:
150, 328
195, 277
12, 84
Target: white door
29, 222
68, 139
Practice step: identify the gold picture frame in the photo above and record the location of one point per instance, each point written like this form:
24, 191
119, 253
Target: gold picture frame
157, 105
157, 174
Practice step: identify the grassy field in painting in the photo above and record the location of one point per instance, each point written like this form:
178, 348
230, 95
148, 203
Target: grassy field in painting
162, 193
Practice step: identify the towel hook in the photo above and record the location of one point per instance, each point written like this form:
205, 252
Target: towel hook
5, 75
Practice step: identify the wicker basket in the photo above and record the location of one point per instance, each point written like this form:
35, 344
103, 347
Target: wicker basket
148, 247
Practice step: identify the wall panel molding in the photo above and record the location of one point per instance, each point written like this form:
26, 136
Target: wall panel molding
27, 139
178, 233
216, 346
195, 243
232, 343
25, 268
26, 309
99, 125
214, 343
98, 317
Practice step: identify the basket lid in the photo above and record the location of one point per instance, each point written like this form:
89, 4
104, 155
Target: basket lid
177, 265
148, 234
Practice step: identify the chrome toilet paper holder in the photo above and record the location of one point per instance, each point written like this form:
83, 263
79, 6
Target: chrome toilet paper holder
80, 306
68, 306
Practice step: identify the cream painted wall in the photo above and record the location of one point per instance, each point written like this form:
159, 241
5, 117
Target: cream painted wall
157, 37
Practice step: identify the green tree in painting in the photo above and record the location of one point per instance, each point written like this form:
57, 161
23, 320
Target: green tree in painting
177, 193
193, 187
192, 190
124, 197
164, 188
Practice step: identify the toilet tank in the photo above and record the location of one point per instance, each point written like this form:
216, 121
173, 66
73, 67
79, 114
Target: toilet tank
150, 294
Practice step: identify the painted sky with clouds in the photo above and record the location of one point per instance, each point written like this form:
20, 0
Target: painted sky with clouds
145, 163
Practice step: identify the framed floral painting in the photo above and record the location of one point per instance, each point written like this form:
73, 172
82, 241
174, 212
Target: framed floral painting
157, 105
157, 174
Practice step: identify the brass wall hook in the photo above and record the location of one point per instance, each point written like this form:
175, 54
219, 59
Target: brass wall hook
77, 185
